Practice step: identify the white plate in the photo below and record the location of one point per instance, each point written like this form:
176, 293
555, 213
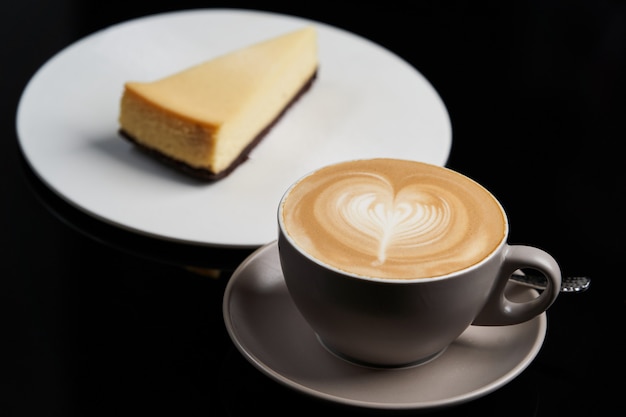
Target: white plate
267, 329
366, 102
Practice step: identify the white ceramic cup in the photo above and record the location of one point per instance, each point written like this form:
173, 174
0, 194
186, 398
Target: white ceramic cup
387, 322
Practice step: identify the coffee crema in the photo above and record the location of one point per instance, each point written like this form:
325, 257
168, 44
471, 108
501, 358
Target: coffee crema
390, 218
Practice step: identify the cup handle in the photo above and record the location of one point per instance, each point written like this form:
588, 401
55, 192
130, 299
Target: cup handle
499, 310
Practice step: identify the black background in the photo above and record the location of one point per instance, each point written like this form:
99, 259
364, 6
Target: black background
96, 321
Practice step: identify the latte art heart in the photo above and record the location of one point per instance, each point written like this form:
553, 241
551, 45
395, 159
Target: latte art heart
396, 219
390, 222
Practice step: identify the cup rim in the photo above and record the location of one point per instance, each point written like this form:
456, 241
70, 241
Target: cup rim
283, 231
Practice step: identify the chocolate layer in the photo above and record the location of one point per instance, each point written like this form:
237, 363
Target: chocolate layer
205, 174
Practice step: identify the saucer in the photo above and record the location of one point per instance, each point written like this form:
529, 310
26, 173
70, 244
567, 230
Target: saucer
268, 330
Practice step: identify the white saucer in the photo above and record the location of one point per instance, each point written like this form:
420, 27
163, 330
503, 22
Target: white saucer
366, 102
270, 333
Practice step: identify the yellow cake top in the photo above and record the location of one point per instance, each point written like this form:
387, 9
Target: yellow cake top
215, 91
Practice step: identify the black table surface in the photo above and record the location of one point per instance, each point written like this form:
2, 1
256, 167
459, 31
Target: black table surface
98, 321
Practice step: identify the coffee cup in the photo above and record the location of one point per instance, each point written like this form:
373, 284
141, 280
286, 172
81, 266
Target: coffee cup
390, 260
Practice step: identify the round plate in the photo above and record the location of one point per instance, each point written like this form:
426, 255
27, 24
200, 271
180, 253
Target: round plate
366, 102
268, 330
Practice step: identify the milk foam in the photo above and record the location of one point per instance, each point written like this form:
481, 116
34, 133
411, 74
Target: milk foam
404, 220
393, 219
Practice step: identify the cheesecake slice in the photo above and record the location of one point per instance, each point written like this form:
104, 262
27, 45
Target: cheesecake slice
207, 118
